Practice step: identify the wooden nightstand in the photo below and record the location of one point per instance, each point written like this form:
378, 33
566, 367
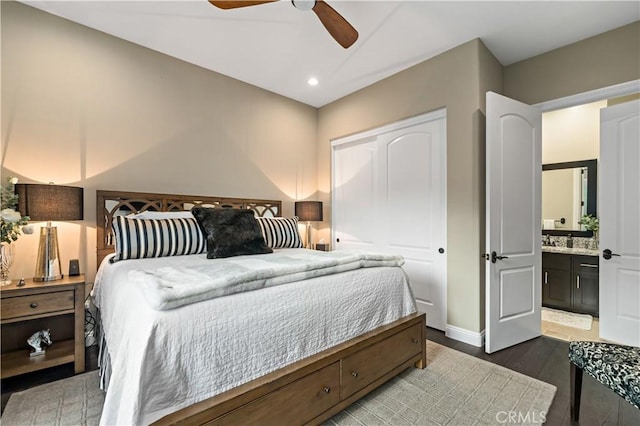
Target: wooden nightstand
55, 305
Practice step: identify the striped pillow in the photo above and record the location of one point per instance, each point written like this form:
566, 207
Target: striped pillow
141, 238
280, 232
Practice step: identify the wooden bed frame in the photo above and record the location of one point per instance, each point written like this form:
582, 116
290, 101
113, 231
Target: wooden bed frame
308, 391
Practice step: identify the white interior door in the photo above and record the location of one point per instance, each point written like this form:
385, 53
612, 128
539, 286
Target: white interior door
619, 209
389, 195
514, 168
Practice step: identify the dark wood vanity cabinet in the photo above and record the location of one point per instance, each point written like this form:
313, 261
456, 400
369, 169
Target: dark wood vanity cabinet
586, 288
570, 282
556, 280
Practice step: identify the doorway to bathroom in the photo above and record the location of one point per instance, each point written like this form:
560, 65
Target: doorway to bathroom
570, 251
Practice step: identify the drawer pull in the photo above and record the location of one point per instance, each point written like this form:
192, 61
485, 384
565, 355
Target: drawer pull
354, 373
588, 265
414, 340
326, 389
33, 305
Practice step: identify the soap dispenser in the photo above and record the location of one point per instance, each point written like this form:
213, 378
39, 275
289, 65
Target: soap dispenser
569, 241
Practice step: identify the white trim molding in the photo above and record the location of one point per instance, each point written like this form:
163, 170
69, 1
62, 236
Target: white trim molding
465, 336
610, 92
377, 131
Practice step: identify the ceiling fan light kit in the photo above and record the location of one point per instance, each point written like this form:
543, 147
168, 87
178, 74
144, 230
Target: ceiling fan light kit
304, 5
341, 30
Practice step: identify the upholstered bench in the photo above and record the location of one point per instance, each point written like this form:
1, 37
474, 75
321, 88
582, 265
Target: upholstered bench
615, 366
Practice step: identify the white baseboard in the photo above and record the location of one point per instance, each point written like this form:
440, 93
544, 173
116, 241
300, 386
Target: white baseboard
462, 335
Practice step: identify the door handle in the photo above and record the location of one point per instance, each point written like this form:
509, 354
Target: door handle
607, 254
578, 282
494, 257
545, 278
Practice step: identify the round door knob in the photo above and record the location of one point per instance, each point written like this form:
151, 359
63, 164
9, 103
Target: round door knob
414, 340
337, 240
354, 373
33, 305
440, 250
326, 389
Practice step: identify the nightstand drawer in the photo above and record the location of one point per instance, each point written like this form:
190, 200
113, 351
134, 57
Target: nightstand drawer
36, 304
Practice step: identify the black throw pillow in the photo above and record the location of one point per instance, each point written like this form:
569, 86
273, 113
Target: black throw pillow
230, 232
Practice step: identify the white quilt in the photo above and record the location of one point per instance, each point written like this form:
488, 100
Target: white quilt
173, 286
162, 361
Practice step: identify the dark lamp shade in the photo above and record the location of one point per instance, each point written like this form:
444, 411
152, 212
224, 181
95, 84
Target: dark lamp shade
309, 210
50, 202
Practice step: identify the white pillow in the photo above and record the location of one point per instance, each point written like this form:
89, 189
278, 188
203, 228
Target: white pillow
150, 214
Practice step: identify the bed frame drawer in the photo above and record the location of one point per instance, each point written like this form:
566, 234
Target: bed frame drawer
313, 389
36, 304
371, 363
313, 394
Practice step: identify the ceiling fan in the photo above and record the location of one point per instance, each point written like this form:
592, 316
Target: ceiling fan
338, 27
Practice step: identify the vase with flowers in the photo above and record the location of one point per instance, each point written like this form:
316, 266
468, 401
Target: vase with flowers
591, 223
11, 226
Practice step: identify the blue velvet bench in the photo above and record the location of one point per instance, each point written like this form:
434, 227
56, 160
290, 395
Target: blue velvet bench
615, 366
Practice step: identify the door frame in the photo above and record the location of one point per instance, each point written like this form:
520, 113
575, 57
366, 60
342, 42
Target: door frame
617, 90
595, 95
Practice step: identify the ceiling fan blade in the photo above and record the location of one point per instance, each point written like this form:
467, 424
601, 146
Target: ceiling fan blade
234, 4
337, 26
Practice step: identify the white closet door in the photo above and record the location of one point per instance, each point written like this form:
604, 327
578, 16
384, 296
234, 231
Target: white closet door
401, 205
355, 178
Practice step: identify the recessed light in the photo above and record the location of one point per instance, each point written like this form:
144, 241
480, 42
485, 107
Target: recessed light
313, 81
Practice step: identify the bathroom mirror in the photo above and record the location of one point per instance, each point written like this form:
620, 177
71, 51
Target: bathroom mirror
568, 192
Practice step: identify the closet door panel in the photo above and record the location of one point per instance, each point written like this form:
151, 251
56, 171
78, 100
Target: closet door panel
389, 195
355, 174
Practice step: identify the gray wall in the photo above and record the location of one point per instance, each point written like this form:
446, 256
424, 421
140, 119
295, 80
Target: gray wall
601, 61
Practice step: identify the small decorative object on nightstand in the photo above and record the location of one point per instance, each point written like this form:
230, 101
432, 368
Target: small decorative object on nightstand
322, 246
37, 339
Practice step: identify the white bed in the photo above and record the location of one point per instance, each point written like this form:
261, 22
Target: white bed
162, 361
232, 357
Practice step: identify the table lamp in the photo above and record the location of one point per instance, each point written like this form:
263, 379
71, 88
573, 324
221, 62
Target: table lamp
49, 203
309, 211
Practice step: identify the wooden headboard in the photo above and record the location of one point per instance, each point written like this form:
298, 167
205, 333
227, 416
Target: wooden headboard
114, 203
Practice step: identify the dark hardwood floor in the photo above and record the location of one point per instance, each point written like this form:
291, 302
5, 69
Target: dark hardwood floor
543, 358
546, 359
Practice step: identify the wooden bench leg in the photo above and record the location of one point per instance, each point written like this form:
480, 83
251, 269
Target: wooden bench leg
576, 390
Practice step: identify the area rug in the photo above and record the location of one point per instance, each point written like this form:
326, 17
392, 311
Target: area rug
569, 319
454, 389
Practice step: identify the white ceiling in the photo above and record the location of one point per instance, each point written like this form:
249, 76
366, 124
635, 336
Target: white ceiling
277, 47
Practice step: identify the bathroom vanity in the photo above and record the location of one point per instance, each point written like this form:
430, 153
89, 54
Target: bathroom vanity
570, 279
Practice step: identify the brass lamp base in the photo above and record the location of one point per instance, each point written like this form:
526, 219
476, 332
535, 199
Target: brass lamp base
48, 261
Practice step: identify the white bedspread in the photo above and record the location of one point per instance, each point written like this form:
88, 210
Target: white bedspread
172, 286
162, 361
